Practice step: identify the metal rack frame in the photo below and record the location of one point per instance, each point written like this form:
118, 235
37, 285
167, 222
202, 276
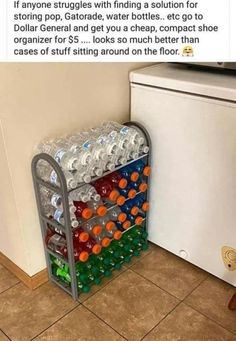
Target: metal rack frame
63, 191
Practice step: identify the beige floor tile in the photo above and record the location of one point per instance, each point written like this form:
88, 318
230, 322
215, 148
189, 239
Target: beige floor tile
7, 279
211, 298
185, 324
80, 325
131, 305
3, 337
25, 313
170, 272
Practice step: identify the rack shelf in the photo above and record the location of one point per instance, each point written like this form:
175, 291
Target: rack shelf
66, 228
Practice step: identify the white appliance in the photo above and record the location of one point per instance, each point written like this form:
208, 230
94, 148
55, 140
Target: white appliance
191, 117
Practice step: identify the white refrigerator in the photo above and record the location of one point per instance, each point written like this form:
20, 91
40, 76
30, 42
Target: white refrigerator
191, 117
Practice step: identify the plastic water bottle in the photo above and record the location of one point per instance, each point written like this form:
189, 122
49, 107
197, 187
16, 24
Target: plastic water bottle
85, 193
49, 197
59, 217
81, 174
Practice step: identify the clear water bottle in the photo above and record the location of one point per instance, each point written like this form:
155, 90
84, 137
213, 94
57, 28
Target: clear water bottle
82, 175
85, 193
59, 217
49, 197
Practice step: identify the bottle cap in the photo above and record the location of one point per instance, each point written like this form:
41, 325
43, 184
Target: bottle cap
117, 235
96, 249
83, 237
122, 183
131, 193
134, 210
134, 176
101, 211
120, 200
83, 257
87, 213
138, 220
110, 225
145, 206
106, 242
143, 187
147, 171
113, 195
126, 224
97, 229
122, 217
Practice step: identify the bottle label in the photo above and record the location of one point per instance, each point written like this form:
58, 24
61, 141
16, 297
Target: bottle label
58, 215
87, 144
59, 154
56, 200
101, 140
53, 177
124, 130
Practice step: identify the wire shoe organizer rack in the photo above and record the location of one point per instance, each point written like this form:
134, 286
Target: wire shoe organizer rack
66, 228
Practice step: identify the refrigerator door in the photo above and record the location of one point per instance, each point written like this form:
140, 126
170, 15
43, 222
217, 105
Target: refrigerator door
193, 192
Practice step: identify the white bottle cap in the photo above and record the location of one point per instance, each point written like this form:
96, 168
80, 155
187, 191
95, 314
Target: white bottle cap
98, 171
145, 149
74, 223
85, 198
87, 178
96, 197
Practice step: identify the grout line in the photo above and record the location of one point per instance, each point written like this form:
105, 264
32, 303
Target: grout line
104, 322
161, 320
147, 279
14, 285
60, 318
210, 318
103, 286
5, 335
195, 288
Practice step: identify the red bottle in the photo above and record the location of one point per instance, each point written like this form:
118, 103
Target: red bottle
80, 235
105, 188
79, 253
82, 210
117, 180
91, 246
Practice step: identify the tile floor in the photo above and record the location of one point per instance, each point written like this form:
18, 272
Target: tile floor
158, 297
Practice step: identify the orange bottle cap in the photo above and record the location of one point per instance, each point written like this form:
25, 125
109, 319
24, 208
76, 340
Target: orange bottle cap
134, 176
114, 195
120, 200
131, 193
122, 217
138, 220
83, 237
106, 242
110, 225
101, 211
143, 187
117, 235
134, 210
147, 171
83, 257
126, 224
122, 183
145, 206
87, 213
97, 229
96, 249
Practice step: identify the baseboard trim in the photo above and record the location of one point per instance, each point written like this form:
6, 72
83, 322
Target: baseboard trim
31, 282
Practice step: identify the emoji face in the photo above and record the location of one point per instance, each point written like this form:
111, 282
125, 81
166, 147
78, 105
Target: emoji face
187, 51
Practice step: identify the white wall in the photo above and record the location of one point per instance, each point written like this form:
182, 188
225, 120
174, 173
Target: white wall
36, 101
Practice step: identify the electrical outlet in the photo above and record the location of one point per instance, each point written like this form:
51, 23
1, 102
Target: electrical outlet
229, 257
